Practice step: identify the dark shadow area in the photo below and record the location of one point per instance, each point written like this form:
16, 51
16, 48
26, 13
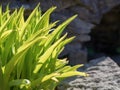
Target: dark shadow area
105, 37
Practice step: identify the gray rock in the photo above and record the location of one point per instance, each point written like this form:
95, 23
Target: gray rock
74, 51
104, 74
86, 15
79, 26
61, 4
78, 56
106, 5
83, 38
90, 11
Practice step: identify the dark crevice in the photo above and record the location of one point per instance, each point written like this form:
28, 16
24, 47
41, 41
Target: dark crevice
105, 37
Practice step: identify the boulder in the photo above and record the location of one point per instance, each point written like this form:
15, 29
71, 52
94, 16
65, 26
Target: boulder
104, 74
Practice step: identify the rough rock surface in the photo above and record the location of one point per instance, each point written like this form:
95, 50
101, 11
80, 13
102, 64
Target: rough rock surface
104, 75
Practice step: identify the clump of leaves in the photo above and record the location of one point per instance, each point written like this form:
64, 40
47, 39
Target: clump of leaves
29, 51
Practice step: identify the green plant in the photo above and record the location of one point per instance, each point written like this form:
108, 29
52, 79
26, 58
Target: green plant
29, 51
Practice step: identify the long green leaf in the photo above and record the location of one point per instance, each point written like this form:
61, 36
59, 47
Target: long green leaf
71, 73
5, 35
44, 20
1, 77
46, 55
47, 77
20, 54
28, 21
56, 33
